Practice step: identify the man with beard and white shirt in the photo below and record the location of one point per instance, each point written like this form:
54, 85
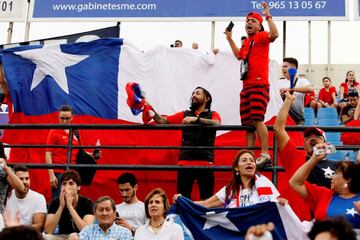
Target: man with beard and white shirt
29, 205
200, 114
131, 212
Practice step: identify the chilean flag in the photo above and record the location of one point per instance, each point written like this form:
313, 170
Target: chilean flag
202, 223
92, 78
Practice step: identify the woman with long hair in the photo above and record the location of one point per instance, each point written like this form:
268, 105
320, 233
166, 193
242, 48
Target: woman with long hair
350, 82
247, 187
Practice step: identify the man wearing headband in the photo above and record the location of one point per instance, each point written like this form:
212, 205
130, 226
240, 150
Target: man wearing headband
254, 96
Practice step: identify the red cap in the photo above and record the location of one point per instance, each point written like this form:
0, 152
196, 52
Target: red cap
255, 15
314, 130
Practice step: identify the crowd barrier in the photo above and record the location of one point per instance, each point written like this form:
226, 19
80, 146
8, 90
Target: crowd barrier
274, 169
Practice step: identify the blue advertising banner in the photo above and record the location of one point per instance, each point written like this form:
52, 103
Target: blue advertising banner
178, 10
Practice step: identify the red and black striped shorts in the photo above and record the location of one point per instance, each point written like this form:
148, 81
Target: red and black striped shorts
253, 102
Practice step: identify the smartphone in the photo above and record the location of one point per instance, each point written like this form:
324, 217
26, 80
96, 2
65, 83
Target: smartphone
230, 26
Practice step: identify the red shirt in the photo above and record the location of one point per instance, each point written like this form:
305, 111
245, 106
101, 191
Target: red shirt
319, 199
308, 98
59, 155
177, 119
292, 159
258, 58
326, 96
346, 88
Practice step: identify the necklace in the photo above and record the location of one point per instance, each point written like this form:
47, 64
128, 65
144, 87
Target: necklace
157, 226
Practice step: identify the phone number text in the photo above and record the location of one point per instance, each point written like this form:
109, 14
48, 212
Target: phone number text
291, 4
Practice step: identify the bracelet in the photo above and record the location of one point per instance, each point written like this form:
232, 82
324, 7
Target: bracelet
267, 17
198, 120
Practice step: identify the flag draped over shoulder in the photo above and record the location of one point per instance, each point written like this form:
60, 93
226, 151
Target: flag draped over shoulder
91, 77
232, 223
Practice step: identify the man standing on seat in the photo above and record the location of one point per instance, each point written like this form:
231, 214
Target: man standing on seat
254, 96
131, 211
30, 205
201, 114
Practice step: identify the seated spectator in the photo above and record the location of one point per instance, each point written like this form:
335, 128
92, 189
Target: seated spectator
310, 101
241, 191
333, 229
30, 205
156, 207
7, 178
348, 111
350, 81
70, 212
131, 211
357, 112
105, 228
21, 232
343, 199
327, 95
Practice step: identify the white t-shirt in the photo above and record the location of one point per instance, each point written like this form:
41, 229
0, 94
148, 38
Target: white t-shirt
250, 197
134, 213
168, 231
298, 104
34, 202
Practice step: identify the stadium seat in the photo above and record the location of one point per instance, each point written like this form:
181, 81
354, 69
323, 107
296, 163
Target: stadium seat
327, 113
309, 116
328, 122
334, 138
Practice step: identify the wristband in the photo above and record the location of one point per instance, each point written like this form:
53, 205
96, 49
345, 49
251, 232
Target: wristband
267, 17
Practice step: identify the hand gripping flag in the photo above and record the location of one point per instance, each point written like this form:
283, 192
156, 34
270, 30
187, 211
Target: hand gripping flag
137, 102
232, 223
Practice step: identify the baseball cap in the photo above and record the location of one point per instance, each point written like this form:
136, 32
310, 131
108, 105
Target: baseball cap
314, 130
257, 16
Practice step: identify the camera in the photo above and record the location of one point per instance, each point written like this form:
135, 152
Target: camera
172, 45
329, 149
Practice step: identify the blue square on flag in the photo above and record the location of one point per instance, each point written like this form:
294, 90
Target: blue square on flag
83, 75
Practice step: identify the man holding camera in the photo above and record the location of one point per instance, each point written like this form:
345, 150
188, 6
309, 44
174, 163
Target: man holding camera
292, 158
254, 96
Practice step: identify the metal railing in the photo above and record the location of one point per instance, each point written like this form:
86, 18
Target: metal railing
274, 169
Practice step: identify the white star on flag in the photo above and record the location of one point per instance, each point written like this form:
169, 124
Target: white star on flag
351, 211
213, 219
328, 172
51, 61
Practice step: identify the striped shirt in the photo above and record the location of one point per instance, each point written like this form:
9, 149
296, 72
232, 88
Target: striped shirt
115, 232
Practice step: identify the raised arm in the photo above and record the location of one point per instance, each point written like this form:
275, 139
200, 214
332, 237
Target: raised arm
233, 46
297, 181
13, 180
281, 135
273, 32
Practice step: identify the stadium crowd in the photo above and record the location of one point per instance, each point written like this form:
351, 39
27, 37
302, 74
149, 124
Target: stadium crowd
315, 187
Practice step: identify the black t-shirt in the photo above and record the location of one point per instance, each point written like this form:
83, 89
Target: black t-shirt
66, 223
322, 173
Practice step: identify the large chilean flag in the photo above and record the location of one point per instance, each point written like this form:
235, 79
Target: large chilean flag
92, 76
